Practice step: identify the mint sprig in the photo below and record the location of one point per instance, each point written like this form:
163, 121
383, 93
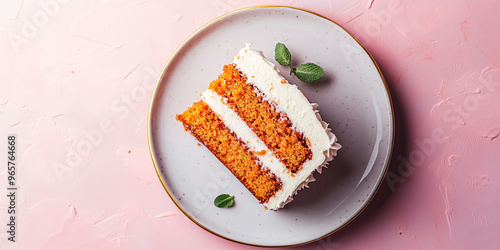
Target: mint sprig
307, 72
224, 201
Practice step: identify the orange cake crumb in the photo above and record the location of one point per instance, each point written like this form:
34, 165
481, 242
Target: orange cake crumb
262, 152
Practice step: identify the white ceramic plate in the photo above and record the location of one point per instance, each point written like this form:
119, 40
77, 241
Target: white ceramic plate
352, 97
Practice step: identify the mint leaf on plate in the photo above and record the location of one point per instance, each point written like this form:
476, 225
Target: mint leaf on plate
282, 54
309, 72
224, 200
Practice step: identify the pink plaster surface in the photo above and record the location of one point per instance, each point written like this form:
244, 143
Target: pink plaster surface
76, 79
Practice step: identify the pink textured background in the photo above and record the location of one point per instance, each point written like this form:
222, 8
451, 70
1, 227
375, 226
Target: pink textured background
76, 79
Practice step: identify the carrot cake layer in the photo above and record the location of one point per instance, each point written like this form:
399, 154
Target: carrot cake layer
232, 152
258, 124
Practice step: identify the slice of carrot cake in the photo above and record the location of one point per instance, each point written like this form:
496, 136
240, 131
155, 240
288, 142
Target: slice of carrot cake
263, 129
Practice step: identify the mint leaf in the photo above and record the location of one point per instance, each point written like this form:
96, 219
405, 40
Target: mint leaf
309, 72
224, 201
282, 54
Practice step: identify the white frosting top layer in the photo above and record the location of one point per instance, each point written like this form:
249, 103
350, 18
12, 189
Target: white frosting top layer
303, 115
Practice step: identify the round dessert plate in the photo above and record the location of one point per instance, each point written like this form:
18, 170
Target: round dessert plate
352, 96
